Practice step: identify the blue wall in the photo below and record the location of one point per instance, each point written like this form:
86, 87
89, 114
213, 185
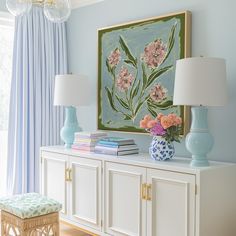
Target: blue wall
213, 34
3, 5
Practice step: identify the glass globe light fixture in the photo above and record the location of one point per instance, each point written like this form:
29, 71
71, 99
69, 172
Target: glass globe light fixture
57, 10
18, 7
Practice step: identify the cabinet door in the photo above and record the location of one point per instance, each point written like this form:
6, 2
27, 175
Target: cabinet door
171, 208
85, 192
125, 210
53, 178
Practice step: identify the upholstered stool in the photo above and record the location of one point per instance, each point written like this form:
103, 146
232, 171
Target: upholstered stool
29, 214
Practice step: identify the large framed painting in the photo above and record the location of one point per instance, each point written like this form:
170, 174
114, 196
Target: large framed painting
136, 70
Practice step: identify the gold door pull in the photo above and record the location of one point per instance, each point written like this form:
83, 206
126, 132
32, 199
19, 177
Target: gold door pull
144, 191
149, 192
67, 177
70, 174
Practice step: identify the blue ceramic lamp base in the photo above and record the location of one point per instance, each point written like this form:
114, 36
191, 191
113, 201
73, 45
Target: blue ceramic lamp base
199, 141
70, 126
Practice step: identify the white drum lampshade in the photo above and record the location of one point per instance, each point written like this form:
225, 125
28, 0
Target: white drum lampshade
71, 90
200, 81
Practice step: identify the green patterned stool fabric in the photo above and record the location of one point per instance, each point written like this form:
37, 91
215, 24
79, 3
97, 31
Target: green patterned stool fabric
29, 205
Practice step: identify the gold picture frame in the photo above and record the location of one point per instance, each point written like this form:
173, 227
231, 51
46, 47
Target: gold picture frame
123, 51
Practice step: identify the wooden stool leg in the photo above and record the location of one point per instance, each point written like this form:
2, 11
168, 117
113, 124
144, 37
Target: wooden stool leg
4, 228
56, 229
3, 231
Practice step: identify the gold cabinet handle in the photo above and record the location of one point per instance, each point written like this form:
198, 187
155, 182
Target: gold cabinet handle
67, 177
149, 192
144, 192
70, 174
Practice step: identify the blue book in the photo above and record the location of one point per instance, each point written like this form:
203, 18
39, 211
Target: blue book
107, 145
115, 141
116, 148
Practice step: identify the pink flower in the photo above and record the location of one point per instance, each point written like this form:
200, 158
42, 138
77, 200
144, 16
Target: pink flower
158, 130
114, 58
124, 79
158, 93
154, 53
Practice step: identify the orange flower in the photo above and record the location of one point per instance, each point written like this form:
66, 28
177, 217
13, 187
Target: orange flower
151, 124
159, 116
178, 120
147, 118
166, 122
143, 124
172, 116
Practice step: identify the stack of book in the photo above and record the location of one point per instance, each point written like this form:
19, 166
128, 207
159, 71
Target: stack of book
86, 141
116, 146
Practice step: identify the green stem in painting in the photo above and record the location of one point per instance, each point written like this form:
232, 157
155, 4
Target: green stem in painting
113, 84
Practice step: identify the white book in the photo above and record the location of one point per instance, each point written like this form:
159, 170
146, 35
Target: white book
120, 153
90, 134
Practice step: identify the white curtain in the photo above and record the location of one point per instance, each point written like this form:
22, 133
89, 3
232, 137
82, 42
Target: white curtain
40, 52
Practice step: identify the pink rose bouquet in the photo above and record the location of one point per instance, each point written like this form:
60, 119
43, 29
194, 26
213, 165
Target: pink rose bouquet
166, 126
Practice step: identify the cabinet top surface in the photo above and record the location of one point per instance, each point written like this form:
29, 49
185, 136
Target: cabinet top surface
178, 164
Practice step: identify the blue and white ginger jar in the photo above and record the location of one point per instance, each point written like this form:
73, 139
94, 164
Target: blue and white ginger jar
160, 149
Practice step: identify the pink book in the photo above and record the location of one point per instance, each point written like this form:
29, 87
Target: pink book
87, 149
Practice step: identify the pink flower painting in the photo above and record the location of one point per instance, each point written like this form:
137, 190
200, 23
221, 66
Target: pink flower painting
114, 58
135, 76
154, 53
124, 79
158, 93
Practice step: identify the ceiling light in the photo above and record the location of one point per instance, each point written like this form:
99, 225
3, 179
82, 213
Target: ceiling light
54, 10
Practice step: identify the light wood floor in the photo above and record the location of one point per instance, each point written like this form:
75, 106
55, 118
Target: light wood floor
69, 231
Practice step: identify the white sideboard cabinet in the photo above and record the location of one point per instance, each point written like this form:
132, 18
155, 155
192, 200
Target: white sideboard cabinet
136, 196
76, 183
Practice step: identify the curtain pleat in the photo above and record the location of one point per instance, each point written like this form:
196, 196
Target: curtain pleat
40, 52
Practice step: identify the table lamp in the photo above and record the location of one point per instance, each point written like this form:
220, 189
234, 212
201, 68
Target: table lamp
200, 82
70, 91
